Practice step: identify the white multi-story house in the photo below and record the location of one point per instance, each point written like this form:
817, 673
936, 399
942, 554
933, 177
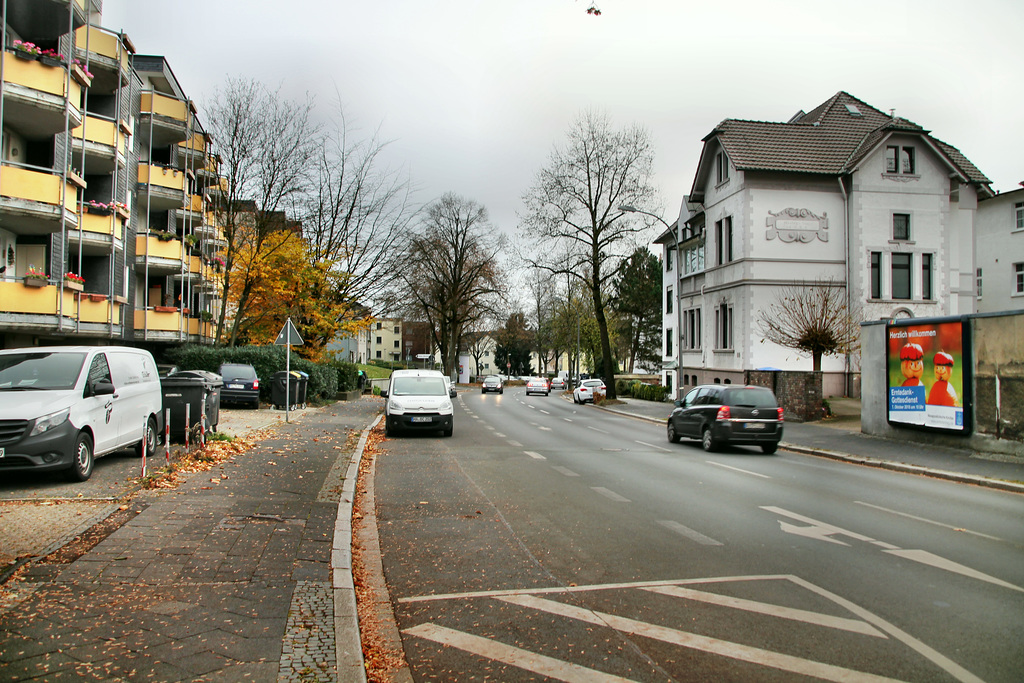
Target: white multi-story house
386, 341
1000, 260
845, 192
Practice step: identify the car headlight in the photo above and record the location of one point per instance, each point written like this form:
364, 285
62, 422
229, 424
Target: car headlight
48, 422
446, 407
395, 408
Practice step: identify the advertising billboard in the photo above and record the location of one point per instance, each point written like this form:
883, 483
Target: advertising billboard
928, 374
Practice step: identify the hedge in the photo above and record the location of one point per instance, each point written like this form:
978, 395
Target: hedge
637, 389
266, 360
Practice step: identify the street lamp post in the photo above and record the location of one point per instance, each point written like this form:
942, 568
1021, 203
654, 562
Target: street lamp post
677, 294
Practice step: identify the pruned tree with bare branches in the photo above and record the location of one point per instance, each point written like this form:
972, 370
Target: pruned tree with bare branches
573, 215
813, 318
450, 275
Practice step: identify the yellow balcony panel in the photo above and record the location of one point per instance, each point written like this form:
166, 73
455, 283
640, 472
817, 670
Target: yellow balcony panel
191, 214
30, 201
163, 119
158, 321
104, 143
109, 60
160, 188
98, 234
98, 310
20, 298
36, 97
157, 257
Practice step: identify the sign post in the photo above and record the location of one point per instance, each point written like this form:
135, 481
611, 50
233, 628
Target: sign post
286, 337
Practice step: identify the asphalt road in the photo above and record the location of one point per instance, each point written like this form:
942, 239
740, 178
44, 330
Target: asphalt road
548, 541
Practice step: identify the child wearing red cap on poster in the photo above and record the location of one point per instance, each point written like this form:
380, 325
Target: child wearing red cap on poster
912, 365
942, 393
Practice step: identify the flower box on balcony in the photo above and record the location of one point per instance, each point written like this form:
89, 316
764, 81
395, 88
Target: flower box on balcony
120, 299
49, 60
123, 213
73, 286
77, 180
78, 73
27, 56
99, 211
36, 282
97, 297
165, 309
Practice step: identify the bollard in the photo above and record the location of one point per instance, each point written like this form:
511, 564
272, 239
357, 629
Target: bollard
145, 442
187, 425
202, 423
167, 435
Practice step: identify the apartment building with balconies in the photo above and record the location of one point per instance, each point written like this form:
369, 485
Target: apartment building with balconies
106, 188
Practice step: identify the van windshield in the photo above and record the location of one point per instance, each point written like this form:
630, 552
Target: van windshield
40, 371
418, 386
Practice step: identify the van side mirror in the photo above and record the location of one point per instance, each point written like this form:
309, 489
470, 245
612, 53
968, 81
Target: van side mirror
383, 393
452, 393
101, 388
679, 403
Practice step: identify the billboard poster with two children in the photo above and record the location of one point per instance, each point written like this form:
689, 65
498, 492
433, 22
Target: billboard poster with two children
927, 382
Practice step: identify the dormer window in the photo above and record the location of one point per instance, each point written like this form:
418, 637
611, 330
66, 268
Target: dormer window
721, 168
900, 160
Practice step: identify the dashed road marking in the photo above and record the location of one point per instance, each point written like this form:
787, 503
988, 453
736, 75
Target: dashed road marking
651, 445
737, 469
535, 456
689, 533
564, 470
607, 493
601, 431
515, 444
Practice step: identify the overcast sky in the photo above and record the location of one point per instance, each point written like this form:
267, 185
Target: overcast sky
474, 94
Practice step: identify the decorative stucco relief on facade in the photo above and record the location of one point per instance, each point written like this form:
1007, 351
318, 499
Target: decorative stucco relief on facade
797, 225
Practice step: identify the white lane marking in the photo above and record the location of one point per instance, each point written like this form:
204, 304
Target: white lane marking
567, 419
544, 429
499, 435
515, 444
821, 531
475, 417
689, 533
737, 469
535, 456
513, 656
925, 557
490, 428
529, 406
724, 648
596, 429
927, 521
816, 618
564, 470
609, 494
545, 411
651, 445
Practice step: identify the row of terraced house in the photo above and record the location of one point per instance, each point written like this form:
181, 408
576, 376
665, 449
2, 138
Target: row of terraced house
109, 189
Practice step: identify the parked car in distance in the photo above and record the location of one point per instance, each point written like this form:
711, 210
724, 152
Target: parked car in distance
417, 400
492, 383
588, 390
722, 414
241, 384
61, 407
557, 384
537, 385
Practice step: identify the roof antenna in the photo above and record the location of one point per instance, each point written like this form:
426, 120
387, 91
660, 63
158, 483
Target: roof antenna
892, 113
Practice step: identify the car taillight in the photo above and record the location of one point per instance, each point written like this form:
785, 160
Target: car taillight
723, 413
780, 415
256, 385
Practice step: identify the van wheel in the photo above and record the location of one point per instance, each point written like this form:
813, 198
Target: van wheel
708, 441
673, 436
149, 438
81, 463
769, 448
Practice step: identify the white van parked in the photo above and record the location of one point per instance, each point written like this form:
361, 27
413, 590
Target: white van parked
63, 406
418, 400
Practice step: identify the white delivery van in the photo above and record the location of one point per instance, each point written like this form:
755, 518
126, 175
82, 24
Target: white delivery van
63, 406
418, 400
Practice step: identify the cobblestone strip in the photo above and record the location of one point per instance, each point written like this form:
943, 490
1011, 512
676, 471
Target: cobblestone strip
308, 652
39, 529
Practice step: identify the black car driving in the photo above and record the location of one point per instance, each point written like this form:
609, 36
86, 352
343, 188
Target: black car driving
722, 414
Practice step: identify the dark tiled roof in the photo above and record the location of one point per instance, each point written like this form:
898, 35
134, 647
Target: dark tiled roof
830, 139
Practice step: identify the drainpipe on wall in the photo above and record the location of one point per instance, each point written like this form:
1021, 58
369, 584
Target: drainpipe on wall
846, 261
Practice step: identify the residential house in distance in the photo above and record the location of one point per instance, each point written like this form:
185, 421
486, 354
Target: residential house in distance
845, 192
1000, 259
102, 201
386, 341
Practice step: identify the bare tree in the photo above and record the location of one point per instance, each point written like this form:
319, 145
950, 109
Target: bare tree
573, 210
357, 214
266, 145
812, 318
450, 274
541, 287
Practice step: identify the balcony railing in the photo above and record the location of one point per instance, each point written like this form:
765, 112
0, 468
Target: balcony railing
50, 301
30, 201
104, 142
36, 97
163, 120
166, 187
108, 58
171, 325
